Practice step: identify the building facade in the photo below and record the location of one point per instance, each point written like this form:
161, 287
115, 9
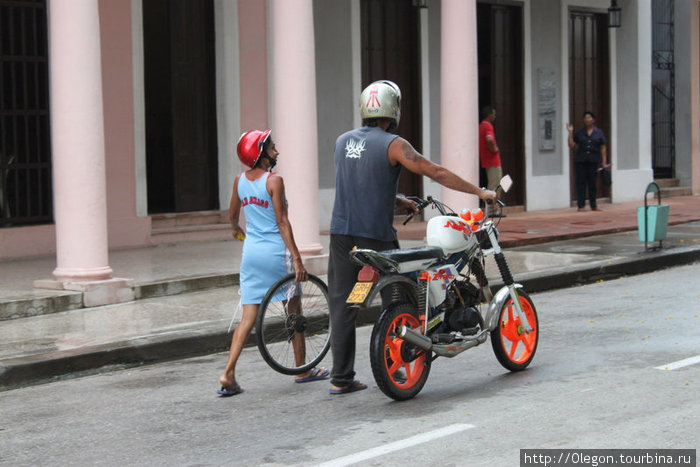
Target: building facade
119, 119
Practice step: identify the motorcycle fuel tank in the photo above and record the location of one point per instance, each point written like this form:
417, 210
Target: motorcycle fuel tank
450, 233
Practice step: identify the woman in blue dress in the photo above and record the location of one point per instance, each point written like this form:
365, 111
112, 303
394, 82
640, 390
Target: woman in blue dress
269, 250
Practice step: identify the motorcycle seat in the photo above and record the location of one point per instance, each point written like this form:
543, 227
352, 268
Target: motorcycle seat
418, 253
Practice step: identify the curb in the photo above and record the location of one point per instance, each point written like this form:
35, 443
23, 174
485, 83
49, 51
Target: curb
66, 301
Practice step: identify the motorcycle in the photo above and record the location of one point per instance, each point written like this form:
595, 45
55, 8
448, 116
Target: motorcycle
437, 302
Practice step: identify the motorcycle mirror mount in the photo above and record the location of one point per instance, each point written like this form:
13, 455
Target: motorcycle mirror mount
506, 183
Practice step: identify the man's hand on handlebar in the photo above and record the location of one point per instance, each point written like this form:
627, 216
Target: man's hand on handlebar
488, 196
406, 206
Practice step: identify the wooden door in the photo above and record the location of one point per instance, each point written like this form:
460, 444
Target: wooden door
181, 151
500, 56
391, 50
589, 78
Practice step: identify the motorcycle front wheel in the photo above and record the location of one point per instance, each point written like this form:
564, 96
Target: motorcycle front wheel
515, 348
400, 369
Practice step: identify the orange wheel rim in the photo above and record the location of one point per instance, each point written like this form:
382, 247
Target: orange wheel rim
518, 344
393, 360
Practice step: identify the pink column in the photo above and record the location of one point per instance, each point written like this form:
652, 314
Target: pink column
294, 127
459, 97
78, 142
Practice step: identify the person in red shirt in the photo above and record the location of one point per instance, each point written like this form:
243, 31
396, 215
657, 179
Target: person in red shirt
489, 154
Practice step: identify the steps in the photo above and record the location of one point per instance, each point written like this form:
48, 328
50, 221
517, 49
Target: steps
200, 226
671, 187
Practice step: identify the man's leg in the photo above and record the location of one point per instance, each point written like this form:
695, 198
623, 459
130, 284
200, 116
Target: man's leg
342, 275
493, 175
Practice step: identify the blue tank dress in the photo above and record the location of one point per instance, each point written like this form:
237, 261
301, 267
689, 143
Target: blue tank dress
265, 257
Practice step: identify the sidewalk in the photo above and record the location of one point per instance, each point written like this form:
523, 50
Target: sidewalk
545, 249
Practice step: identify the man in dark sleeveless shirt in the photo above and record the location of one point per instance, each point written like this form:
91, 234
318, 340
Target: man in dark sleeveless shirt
368, 161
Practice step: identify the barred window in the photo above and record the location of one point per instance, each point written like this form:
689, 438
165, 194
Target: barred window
25, 144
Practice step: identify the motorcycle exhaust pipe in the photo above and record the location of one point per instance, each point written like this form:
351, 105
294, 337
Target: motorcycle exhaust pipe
412, 337
443, 350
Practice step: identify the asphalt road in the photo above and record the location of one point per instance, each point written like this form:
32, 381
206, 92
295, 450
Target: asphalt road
602, 378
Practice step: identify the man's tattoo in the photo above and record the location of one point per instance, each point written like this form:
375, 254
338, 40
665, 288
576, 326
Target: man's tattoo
409, 152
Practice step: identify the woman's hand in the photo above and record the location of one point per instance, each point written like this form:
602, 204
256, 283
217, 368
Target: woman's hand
238, 233
301, 273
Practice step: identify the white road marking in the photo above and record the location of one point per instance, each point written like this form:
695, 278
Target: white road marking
397, 445
680, 363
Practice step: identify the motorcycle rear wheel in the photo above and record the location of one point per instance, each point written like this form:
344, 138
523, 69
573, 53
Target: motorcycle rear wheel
389, 354
514, 348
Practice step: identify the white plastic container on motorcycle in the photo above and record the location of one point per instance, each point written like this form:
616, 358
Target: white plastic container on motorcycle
453, 235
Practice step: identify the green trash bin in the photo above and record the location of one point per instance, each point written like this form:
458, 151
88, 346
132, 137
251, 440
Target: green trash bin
656, 222
652, 220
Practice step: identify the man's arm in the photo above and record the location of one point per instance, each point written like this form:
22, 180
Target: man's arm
401, 152
491, 143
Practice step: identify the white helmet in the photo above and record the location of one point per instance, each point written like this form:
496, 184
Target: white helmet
381, 99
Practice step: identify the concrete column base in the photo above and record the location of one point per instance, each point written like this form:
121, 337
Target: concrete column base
316, 264
95, 293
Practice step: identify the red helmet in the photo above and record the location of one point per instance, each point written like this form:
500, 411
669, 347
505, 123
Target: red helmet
250, 146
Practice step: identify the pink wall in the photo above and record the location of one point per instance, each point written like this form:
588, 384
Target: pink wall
124, 227
24, 242
252, 21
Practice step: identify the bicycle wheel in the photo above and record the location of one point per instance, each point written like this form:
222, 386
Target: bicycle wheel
292, 328
514, 348
389, 354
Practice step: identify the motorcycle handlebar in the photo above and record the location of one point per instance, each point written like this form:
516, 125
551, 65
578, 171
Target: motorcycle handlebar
423, 203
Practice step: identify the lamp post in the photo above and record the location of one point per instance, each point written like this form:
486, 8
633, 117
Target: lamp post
614, 15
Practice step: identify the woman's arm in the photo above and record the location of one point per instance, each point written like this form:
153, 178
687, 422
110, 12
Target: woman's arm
275, 186
234, 212
572, 144
604, 155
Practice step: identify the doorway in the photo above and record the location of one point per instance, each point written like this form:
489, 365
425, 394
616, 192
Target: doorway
391, 50
500, 59
179, 75
589, 80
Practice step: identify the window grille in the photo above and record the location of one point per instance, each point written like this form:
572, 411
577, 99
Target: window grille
25, 144
663, 90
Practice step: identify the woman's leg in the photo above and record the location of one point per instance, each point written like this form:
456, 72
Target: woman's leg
593, 185
298, 341
580, 169
240, 335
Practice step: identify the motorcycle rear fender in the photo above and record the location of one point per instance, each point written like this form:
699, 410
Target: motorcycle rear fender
409, 287
499, 299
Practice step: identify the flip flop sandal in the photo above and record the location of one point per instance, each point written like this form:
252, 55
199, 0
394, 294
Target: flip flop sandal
352, 387
316, 375
228, 392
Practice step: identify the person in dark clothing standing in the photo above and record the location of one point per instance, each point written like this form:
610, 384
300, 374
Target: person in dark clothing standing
591, 154
368, 161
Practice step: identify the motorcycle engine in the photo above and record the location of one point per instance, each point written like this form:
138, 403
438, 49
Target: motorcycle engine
465, 320
461, 315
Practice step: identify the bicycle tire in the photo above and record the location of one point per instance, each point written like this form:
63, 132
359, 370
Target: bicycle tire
278, 328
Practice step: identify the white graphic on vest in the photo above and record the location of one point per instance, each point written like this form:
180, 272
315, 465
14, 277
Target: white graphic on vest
354, 148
